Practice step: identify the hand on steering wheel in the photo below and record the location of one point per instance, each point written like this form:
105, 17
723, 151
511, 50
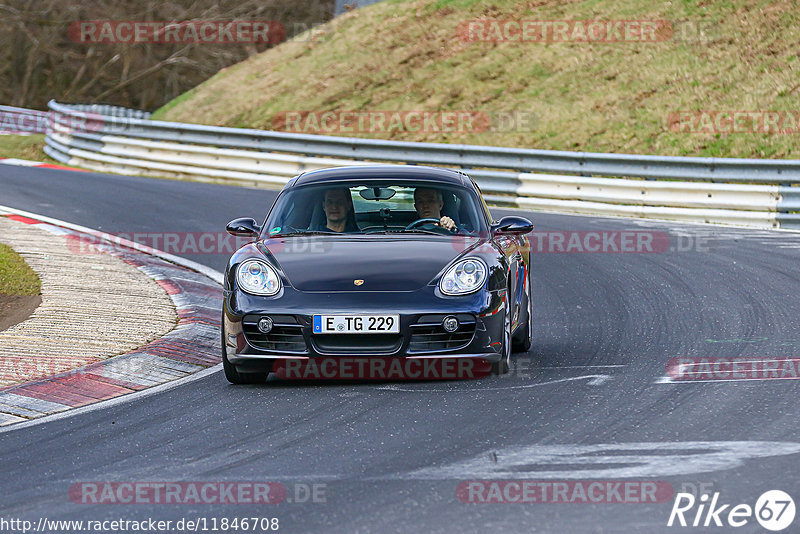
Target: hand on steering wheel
420, 222
445, 225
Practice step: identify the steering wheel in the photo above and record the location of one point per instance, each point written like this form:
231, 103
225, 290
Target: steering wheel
420, 222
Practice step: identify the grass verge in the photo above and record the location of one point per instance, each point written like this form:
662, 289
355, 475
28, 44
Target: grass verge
30, 147
16, 277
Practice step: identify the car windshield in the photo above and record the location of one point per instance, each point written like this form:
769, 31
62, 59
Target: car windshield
377, 207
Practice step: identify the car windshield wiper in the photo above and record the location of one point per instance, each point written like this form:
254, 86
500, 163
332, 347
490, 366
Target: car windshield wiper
420, 231
301, 232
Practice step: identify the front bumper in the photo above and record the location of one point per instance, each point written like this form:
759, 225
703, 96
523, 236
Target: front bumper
421, 336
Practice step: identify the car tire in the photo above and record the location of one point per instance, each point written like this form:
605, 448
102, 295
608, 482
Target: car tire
231, 374
502, 366
523, 338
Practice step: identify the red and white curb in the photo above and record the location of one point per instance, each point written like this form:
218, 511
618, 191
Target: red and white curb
28, 163
192, 346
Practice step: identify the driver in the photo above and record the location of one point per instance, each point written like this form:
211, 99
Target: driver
428, 203
338, 208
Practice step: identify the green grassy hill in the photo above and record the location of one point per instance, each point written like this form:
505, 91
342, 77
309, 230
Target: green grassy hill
722, 55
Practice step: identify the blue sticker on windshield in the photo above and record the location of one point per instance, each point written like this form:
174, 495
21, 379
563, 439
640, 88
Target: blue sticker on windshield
275, 230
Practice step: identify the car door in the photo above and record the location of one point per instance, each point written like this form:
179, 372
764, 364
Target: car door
512, 248
516, 269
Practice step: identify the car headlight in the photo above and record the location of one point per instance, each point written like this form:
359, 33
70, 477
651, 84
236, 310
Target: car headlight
258, 278
465, 276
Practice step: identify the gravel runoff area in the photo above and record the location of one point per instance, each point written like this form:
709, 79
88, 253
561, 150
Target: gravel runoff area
93, 306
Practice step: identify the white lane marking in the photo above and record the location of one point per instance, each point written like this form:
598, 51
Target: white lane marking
605, 460
599, 381
20, 162
130, 397
594, 380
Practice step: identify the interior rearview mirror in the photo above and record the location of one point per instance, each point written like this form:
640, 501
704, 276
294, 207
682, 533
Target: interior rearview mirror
377, 193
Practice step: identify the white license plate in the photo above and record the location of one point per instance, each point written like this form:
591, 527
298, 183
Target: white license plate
356, 324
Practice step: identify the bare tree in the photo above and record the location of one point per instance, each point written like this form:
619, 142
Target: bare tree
40, 60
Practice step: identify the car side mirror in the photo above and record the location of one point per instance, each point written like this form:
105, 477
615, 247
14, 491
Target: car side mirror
512, 225
244, 227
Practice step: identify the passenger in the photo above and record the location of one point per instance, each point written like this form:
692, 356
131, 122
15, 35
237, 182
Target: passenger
428, 203
338, 208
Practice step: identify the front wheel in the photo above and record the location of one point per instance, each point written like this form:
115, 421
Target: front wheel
502, 366
523, 338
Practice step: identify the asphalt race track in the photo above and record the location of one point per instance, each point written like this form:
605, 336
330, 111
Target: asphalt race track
589, 402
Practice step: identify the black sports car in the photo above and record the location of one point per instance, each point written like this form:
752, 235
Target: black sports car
375, 265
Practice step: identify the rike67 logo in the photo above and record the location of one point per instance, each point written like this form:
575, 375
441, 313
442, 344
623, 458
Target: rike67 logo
774, 510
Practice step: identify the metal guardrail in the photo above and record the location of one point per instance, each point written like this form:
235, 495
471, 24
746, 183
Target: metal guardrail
108, 110
762, 193
21, 121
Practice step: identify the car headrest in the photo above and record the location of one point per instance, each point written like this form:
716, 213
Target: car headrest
467, 217
450, 207
317, 216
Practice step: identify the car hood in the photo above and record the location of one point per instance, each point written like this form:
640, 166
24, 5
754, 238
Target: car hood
325, 263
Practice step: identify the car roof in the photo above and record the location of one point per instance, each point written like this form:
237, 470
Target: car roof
405, 172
